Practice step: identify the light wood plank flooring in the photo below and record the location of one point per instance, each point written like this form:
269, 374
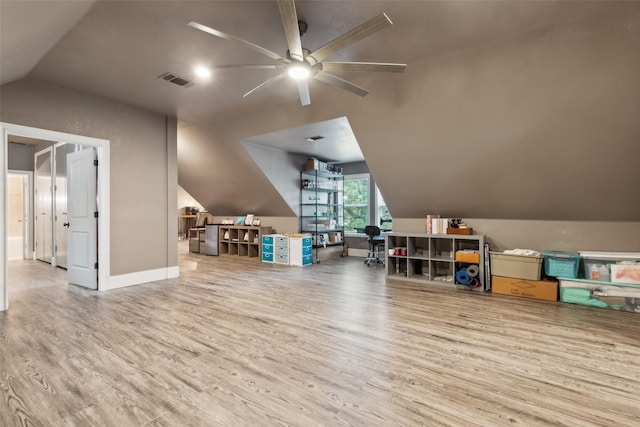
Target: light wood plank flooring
236, 342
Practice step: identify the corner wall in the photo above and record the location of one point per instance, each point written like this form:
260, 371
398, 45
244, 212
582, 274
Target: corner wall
143, 166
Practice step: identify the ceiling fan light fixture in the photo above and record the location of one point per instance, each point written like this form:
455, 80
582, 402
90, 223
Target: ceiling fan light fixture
298, 72
301, 64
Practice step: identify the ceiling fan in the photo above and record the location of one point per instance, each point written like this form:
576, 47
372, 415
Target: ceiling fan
300, 63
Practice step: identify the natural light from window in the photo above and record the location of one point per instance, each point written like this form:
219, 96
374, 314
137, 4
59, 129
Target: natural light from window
359, 209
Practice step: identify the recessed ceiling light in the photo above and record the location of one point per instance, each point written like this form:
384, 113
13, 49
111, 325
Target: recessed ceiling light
202, 72
298, 72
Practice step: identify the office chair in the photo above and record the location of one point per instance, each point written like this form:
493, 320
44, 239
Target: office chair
375, 241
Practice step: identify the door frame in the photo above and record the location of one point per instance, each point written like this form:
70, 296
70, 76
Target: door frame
27, 228
102, 148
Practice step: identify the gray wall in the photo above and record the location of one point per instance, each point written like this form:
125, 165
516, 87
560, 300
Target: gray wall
546, 235
20, 157
540, 126
282, 169
143, 165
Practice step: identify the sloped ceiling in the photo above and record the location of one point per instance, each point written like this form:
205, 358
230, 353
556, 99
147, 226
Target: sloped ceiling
118, 48
30, 29
507, 109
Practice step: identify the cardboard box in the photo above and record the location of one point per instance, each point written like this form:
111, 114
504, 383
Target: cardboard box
314, 164
335, 237
537, 289
516, 266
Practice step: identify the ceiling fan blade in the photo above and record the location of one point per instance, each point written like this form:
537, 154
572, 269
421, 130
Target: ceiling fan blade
291, 29
363, 66
225, 36
303, 91
249, 67
358, 33
342, 84
268, 83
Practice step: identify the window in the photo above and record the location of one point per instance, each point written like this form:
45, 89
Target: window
359, 209
356, 202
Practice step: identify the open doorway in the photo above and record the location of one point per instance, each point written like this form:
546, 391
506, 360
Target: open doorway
19, 214
51, 220
101, 148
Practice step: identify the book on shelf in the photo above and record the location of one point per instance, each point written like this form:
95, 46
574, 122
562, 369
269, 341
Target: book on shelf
439, 225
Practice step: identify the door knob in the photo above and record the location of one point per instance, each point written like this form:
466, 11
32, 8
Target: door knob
66, 224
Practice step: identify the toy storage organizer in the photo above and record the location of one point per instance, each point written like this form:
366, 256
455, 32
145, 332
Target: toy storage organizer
454, 260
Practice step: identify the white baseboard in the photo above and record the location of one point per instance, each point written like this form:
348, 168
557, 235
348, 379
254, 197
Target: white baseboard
362, 253
140, 277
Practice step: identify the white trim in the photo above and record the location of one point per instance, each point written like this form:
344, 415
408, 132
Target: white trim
139, 277
4, 300
102, 147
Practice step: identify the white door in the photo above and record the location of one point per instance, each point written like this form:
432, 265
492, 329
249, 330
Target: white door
44, 208
82, 232
60, 201
27, 234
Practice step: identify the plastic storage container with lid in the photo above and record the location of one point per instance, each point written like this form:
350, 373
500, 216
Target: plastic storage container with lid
597, 265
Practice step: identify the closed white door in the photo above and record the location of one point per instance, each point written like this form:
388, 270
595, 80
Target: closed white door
82, 230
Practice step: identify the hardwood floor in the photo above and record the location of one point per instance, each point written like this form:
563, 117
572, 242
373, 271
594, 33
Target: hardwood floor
235, 342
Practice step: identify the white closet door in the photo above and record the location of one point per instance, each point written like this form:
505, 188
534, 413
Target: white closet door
82, 233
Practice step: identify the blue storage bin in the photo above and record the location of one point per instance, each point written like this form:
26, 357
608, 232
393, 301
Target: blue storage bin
561, 264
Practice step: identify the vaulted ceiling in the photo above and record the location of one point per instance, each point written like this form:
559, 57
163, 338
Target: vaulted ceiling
507, 109
117, 49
